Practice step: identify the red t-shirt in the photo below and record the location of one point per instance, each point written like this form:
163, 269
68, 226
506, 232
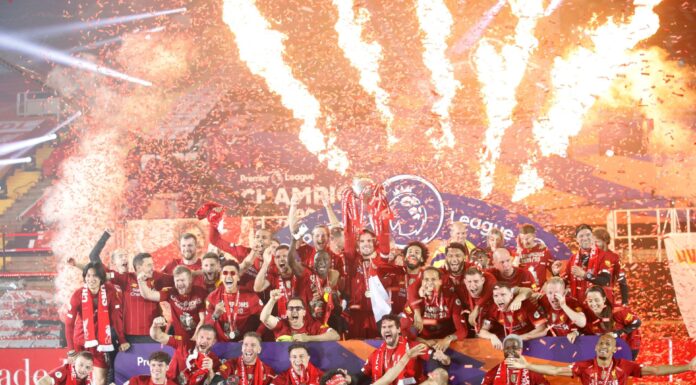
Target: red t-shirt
522, 321
233, 367
182, 351
537, 260
524, 374
288, 378
249, 305
138, 312
310, 327
113, 297
383, 358
622, 316
145, 380
60, 375
442, 316
560, 324
519, 278
171, 265
589, 373
186, 308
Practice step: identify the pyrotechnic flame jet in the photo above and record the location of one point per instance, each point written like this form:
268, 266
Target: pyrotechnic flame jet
365, 57
435, 22
500, 73
261, 48
12, 43
579, 77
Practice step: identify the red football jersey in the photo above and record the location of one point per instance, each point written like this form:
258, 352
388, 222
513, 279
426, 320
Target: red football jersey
186, 308
247, 306
236, 367
537, 261
138, 312
60, 375
113, 297
383, 358
589, 373
310, 327
183, 364
558, 321
522, 321
146, 380
519, 278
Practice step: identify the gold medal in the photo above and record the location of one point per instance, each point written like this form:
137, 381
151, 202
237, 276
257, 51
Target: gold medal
367, 293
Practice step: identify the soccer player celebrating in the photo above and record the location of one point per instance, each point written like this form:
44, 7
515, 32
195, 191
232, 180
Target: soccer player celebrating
505, 272
602, 240
188, 247
98, 304
286, 277
301, 371
138, 311
250, 257
589, 266
210, 269
501, 374
603, 369
186, 301
525, 319
295, 326
248, 369
76, 372
404, 291
341, 376
603, 317
534, 256
393, 349
231, 310
564, 314
458, 234
158, 363
193, 362
443, 319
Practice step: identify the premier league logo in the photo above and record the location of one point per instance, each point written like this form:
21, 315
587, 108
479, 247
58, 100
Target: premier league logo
418, 209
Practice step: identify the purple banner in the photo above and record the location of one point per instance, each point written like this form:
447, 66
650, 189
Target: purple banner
327, 355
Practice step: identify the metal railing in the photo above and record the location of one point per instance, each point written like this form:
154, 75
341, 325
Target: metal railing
665, 220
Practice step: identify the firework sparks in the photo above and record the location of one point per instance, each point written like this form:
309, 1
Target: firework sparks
435, 22
261, 48
585, 73
365, 57
500, 73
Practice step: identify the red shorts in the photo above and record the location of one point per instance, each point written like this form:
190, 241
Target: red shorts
100, 360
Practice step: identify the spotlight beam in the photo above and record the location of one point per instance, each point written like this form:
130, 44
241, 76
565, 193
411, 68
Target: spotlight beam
24, 150
14, 146
18, 45
7, 162
62, 29
101, 43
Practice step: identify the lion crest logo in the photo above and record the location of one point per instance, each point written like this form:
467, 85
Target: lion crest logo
418, 209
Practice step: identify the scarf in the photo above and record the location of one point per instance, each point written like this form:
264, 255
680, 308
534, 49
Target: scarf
503, 373
310, 375
384, 361
258, 375
194, 374
98, 335
578, 286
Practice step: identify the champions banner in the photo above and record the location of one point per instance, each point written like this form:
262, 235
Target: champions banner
422, 213
681, 250
471, 358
